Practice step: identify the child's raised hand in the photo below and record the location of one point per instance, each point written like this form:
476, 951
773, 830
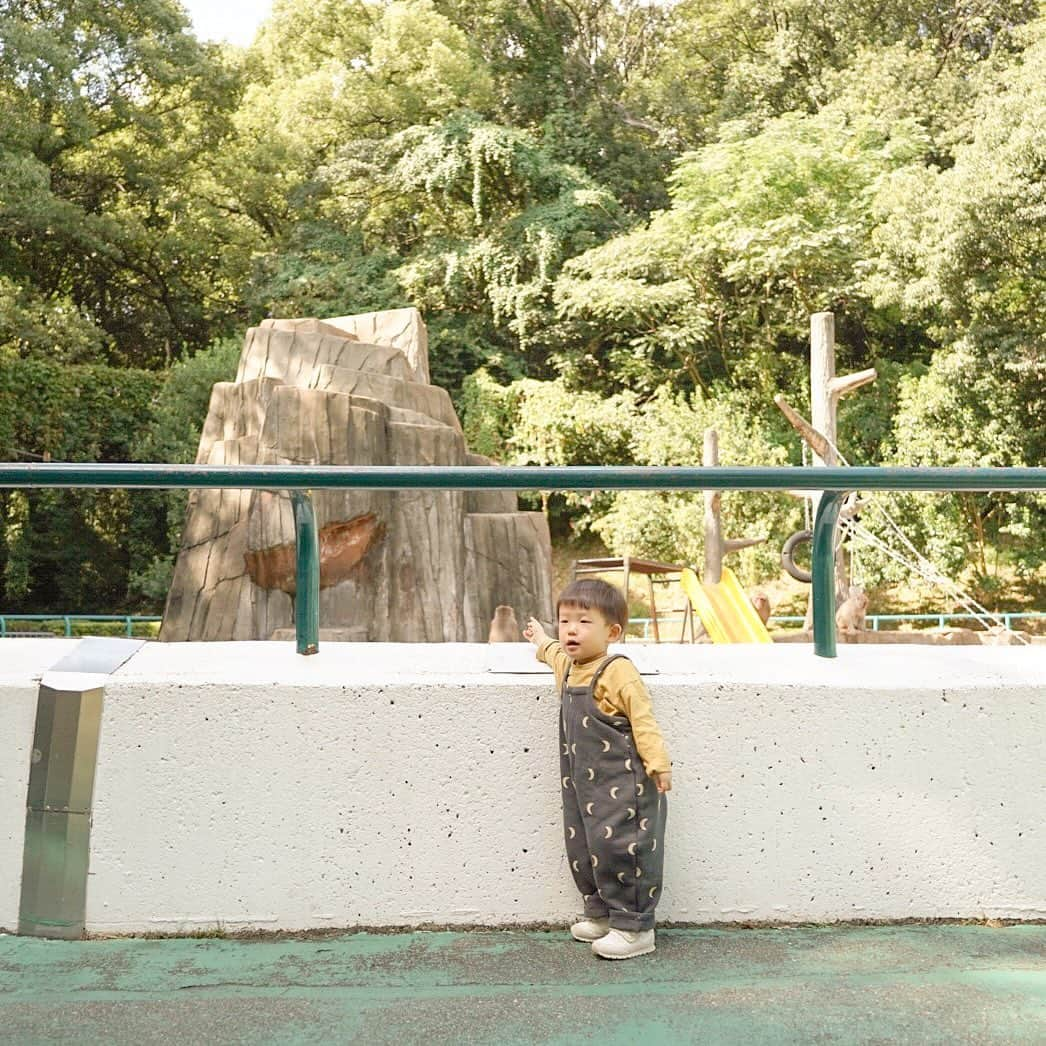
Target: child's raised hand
534, 632
663, 780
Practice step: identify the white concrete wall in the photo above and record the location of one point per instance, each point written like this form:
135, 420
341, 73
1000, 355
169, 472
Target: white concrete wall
241, 785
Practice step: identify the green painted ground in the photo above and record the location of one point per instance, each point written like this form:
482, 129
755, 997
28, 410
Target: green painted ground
925, 984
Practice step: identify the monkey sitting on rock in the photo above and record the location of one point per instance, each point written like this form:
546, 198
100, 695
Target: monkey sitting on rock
504, 628
849, 618
761, 603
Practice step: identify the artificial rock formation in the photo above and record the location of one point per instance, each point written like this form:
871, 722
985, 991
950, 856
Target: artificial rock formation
410, 566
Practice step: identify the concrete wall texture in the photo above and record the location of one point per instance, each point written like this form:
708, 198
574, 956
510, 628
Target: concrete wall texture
240, 785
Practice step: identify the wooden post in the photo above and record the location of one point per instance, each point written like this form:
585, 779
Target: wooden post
825, 392
716, 546
822, 371
823, 420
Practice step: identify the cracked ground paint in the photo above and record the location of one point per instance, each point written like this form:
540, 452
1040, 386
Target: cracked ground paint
899, 984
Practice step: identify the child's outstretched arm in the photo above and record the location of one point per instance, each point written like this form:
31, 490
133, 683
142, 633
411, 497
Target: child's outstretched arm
535, 632
548, 651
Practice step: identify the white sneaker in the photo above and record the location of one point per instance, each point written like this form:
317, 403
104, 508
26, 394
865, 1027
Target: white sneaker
590, 929
624, 944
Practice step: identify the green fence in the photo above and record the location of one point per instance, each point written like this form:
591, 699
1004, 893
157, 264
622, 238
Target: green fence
872, 621
68, 622
833, 483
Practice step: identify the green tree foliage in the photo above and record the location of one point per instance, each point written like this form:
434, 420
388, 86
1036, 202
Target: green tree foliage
341, 94
172, 436
962, 250
616, 216
764, 230
82, 550
503, 216
108, 205
332, 72
489, 413
963, 413
547, 423
726, 60
33, 325
669, 430
466, 219
574, 73
64, 549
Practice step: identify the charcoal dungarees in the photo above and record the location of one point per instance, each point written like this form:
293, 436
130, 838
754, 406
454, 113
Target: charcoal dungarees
613, 814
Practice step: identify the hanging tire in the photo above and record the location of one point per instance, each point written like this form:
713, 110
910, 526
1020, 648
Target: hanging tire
788, 551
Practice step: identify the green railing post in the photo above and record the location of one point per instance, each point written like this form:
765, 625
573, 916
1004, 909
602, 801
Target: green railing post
823, 569
307, 578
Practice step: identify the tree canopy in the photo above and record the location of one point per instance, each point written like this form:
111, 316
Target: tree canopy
615, 215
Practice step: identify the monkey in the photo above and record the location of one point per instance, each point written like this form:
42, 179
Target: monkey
504, 628
761, 603
850, 616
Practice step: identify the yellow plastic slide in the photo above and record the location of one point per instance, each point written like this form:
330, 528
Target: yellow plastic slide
725, 609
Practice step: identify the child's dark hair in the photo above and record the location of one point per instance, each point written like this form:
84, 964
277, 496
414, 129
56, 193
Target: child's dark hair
596, 595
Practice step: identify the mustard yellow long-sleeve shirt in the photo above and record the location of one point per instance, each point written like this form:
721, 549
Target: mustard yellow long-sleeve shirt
620, 691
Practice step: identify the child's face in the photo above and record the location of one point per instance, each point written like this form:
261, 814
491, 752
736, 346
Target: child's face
584, 632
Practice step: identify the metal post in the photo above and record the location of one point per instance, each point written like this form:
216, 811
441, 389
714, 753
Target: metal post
653, 607
59, 799
307, 578
713, 527
823, 569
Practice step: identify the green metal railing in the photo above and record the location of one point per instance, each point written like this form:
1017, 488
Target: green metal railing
128, 620
834, 483
872, 621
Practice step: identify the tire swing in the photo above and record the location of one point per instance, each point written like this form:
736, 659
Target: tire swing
788, 553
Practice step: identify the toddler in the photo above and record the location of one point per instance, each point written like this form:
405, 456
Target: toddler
614, 768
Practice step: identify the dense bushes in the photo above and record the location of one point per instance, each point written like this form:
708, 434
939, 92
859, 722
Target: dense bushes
97, 550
